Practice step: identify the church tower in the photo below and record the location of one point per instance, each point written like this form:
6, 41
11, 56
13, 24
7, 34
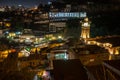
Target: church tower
85, 29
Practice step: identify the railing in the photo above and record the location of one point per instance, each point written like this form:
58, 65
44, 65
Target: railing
110, 72
90, 75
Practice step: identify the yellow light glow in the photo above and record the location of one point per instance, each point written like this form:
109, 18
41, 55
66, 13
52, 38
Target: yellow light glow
35, 8
40, 73
111, 50
108, 45
34, 49
1, 22
86, 24
20, 54
59, 37
5, 56
88, 42
116, 52
110, 57
53, 38
98, 43
86, 19
12, 34
13, 50
7, 24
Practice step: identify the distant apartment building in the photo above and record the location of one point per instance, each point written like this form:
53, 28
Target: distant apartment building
2, 9
60, 54
34, 61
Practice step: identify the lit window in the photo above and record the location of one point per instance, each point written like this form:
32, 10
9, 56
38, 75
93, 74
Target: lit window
61, 56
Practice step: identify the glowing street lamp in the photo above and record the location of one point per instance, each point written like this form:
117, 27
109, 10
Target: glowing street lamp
7, 24
59, 37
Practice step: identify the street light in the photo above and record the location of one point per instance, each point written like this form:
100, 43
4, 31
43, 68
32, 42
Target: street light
59, 37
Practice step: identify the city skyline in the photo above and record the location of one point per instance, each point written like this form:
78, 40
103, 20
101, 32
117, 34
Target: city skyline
32, 3
26, 3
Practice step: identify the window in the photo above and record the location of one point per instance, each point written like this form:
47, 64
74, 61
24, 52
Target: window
61, 56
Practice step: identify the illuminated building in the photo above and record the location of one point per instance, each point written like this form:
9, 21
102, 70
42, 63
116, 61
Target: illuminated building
85, 33
2, 9
56, 26
58, 19
27, 36
34, 61
55, 21
60, 54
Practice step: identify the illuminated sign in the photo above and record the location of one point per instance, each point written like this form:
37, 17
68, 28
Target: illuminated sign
61, 56
67, 14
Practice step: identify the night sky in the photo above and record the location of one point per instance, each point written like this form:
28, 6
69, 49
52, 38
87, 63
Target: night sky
26, 3
31, 3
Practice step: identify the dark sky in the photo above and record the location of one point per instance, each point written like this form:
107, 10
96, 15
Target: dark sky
30, 3
26, 3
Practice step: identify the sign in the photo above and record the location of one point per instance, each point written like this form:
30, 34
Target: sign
67, 14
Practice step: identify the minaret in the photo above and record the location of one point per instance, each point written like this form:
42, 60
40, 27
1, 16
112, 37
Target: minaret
85, 30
